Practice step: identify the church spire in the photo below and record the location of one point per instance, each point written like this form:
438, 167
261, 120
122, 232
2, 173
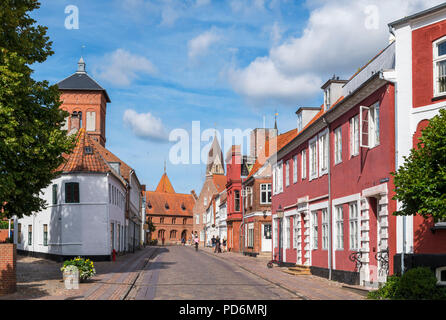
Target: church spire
215, 159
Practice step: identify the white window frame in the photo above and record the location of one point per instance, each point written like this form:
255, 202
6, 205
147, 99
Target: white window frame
323, 152
438, 274
353, 226
354, 136
314, 231
325, 226
280, 177
338, 145
287, 228
436, 61
287, 173
265, 188
373, 126
250, 235
327, 98
313, 156
304, 164
295, 169
296, 222
299, 121
339, 227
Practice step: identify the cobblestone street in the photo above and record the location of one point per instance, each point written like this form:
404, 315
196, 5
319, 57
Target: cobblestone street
176, 273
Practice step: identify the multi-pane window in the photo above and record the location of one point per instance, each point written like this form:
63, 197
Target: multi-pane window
339, 225
265, 193
324, 229
173, 234
354, 136
374, 125
314, 226
54, 193
71, 192
288, 232
353, 221
280, 178
251, 235
45, 234
174, 220
313, 159
287, 173
296, 222
304, 164
276, 232
237, 200
440, 67
338, 145
323, 153
30, 235
327, 98
295, 169
197, 219
161, 220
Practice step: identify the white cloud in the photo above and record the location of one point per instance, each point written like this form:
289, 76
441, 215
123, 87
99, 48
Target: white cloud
200, 45
340, 36
122, 67
145, 125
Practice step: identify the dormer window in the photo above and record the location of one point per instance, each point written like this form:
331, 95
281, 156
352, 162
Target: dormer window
88, 150
183, 207
327, 99
299, 122
149, 205
166, 206
440, 67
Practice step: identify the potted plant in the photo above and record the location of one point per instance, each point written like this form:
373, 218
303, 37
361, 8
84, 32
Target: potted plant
85, 267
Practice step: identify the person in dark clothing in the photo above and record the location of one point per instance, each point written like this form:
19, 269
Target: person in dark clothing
196, 241
213, 242
217, 245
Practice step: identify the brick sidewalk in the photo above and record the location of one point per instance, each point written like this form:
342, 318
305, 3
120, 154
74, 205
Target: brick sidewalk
41, 279
308, 287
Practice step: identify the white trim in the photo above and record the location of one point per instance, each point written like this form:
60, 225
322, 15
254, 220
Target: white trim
318, 206
311, 157
351, 198
438, 274
437, 59
258, 214
290, 213
320, 146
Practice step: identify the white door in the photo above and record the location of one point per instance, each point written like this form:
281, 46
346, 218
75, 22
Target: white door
266, 237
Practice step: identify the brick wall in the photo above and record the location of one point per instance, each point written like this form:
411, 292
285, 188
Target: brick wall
8, 278
3, 235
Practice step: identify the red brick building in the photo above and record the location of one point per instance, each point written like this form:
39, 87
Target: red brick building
171, 213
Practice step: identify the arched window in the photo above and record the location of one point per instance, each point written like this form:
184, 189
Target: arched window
91, 121
173, 234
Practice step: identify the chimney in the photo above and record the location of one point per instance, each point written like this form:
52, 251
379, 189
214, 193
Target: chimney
194, 195
143, 187
332, 91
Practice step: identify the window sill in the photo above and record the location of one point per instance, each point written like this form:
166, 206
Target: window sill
439, 96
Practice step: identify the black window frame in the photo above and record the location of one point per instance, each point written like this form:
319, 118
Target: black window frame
71, 191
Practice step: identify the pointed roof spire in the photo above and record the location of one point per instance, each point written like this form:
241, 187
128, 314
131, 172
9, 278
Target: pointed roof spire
164, 185
275, 120
215, 158
81, 66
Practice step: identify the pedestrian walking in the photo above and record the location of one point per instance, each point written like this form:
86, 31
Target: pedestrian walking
213, 242
224, 244
183, 241
218, 241
196, 241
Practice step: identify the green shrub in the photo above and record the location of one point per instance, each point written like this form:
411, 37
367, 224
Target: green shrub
85, 267
416, 284
5, 225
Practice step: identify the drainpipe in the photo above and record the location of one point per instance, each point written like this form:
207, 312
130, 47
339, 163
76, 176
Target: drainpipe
242, 234
330, 244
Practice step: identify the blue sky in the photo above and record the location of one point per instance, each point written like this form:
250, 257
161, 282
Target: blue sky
227, 64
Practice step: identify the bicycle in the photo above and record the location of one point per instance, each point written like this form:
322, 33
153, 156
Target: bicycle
274, 261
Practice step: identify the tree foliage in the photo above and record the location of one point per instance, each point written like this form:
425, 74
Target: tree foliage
421, 181
31, 139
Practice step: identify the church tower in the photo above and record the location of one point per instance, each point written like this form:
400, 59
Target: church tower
86, 102
215, 163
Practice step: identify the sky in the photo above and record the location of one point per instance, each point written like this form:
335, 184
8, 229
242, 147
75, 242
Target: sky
233, 64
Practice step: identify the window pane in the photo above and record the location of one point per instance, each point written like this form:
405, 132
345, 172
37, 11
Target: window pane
442, 76
442, 49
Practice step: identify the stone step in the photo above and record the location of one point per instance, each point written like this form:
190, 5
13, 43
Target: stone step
299, 267
297, 273
358, 289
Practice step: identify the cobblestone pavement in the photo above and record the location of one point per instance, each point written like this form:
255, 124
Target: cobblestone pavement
175, 272
308, 287
42, 279
180, 273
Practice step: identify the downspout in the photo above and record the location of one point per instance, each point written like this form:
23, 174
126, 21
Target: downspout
395, 83
330, 243
242, 234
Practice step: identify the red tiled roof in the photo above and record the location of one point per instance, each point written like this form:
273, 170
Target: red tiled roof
156, 203
125, 169
164, 185
220, 181
81, 161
